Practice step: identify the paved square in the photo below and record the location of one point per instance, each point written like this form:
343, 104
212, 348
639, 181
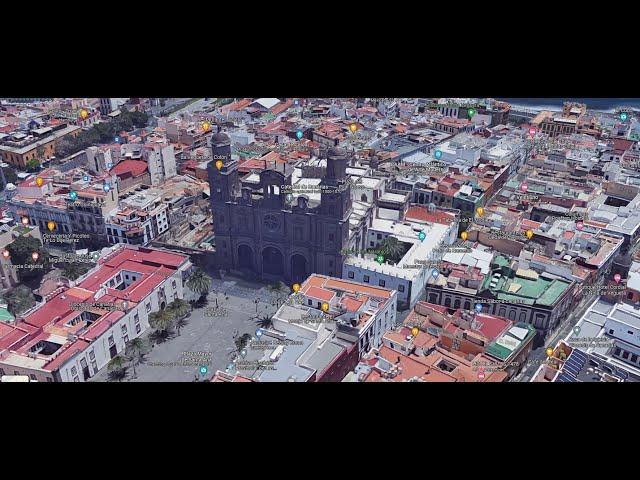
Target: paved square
208, 338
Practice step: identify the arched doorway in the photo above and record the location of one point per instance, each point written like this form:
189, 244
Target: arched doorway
272, 262
299, 272
245, 258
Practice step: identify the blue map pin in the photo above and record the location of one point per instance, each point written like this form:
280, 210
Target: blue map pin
259, 332
73, 195
438, 154
106, 187
422, 236
435, 273
478, 307
299, 134
203, 370
85, 178
624, 116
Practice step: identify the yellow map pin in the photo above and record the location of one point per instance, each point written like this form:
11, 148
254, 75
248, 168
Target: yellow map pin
219, 164
39, 181
549, 352
84, 113
415, 331
25, 220
353, 127
51, 225
206, 126
325, 307
464, 236
480, 211
529, 234
296, 287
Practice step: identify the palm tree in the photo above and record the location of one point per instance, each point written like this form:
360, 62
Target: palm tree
277, 288
199, 282
117, 368
179, 309
161, 322
393, 248
135, 351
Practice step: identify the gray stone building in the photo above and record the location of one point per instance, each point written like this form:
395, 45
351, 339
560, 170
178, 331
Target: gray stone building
267, 232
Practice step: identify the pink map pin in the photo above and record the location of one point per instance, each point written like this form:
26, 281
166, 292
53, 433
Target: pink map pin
617, 278
579, 225
524, 187
481, 375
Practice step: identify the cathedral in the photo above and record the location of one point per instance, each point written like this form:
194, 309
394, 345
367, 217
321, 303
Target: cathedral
263, 229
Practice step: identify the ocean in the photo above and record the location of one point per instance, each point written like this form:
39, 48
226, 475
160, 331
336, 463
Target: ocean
600, 104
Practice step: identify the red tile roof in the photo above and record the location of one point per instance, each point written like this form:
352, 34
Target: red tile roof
129, 168
418, 212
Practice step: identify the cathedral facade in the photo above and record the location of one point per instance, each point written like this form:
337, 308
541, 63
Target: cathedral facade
265, 231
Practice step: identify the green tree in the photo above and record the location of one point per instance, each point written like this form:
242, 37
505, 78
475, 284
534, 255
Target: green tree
178, 309
117, 368
135, 351
242, 341
20, 299
199, 282
393, 249
161, 322
279, 290
74, 270
21, 250
33, 165
10, 175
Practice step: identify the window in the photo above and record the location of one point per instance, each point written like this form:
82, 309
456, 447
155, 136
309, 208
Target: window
148, 306
625, 355
611, 331
310, 302
74, 371
111, 341
351, 275
126, 276
32, 376
365, 279
401, 288
1, 371
617, 352
123, 328
138, 328
125, 337
136, 319
371, 244
629, 332
381, 283
174, 285
634, 358
49, 379
379, 236
76, 379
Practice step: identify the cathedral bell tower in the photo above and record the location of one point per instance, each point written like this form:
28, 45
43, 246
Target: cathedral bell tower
336, 191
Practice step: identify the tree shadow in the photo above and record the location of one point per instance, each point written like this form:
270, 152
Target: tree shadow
161, 336
117, 375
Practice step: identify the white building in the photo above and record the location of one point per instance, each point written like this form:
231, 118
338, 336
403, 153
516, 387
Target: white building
410, 274
77, 330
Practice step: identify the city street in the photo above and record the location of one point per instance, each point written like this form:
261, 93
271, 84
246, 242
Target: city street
208, 338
